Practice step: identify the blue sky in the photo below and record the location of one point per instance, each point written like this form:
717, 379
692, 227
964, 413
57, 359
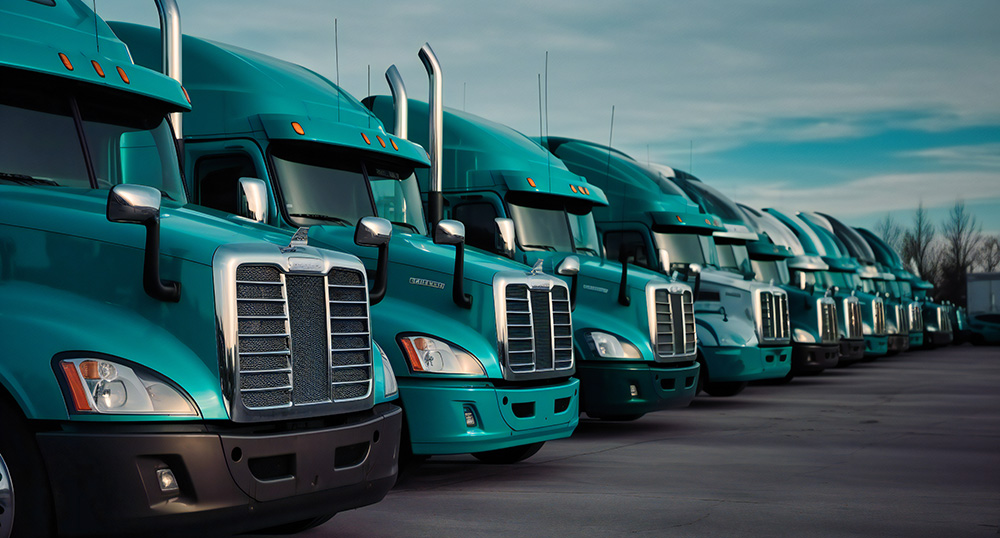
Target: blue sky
854, 108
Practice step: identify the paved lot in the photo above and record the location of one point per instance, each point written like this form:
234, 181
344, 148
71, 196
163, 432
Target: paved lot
905, 446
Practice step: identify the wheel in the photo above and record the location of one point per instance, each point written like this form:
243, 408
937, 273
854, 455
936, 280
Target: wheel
23, 477
296, 527
513, 454
724, 388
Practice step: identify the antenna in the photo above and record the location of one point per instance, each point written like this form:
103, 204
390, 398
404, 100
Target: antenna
463, 96
369, 92
541, 131
691, 157
336, 56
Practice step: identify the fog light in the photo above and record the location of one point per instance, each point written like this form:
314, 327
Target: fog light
168, 483
470, 417
633, 390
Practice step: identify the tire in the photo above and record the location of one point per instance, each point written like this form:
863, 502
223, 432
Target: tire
24, 478
725, 388
296, 527
513, 454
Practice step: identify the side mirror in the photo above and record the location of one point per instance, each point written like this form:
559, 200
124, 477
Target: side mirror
376, 232
452, 232
139, 204
505, 237
695, 269
449, 232
251, 202
801, 278
570, 266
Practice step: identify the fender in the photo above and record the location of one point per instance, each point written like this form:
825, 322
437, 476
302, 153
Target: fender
37, 321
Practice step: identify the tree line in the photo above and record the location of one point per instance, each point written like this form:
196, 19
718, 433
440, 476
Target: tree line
943, 253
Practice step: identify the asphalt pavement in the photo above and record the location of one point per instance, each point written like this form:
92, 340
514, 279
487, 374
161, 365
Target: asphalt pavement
903, 446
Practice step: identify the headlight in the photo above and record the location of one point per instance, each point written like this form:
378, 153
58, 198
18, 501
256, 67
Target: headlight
111, 387
430, 355
608, 346
866, 327
389, 377
803, 336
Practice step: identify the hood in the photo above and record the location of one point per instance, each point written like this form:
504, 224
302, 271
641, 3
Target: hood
184, 233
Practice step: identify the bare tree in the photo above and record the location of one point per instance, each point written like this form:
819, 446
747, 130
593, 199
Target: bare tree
989, 259
918, 249
890, 231
962, 239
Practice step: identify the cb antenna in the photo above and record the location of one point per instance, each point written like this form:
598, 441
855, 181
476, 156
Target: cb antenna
97, 39
541, 130
548, 154
369, 92
336, 59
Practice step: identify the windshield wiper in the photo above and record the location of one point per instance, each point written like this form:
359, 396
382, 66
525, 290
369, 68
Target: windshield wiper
406, 225
316, 216
541, 247
22, 179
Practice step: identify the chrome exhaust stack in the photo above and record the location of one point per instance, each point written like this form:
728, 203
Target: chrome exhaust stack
399, 102
170, 33
435, 103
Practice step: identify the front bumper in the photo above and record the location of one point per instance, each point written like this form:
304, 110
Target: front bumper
898, 343
504, 417
634, 388
876, 346
747, 363
104, 479
916, 340
937, 338
851, 351
814, 358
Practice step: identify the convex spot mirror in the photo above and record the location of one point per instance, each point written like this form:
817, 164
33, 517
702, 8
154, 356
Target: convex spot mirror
449, 232
372, 232
251, 202
133, 204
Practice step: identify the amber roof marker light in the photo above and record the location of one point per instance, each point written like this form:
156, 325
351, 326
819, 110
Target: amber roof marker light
297, 127
98, 68
531, 182
65, 61
121, 73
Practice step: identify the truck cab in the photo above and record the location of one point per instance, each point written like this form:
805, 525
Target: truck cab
816, 317
634, 330
815, 345
742, 325
469, 382
135, 391
841, 279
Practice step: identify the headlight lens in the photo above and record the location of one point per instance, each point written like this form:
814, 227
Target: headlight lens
389, 376
430, 355
608, 346
803, 336
109, 387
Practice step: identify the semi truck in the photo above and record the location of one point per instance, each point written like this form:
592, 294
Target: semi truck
742, 326
842, 278
164, 371
983, 295
875, 279
480, 344
775, 257
815, 341
634, 330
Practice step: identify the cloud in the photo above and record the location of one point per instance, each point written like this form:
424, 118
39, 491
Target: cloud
970, 156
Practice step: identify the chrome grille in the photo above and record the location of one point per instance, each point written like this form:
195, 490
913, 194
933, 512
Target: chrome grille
902, 320
303, 339
672, 326
827, 320
878, 316
537, 332
773, 323
944, 320
916, 317
852, 318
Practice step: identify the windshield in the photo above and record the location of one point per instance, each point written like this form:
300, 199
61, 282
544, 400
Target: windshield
685, 249
398, 200
771, 271
905, 288
126, 146
542, 228
585, 234
868, 286
734, 257
321, 187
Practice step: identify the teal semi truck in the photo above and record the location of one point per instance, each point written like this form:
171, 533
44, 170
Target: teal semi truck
815, 341
776, 256
634, 330
480, 344
742, 326
164, 371
874, 279
842, 278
